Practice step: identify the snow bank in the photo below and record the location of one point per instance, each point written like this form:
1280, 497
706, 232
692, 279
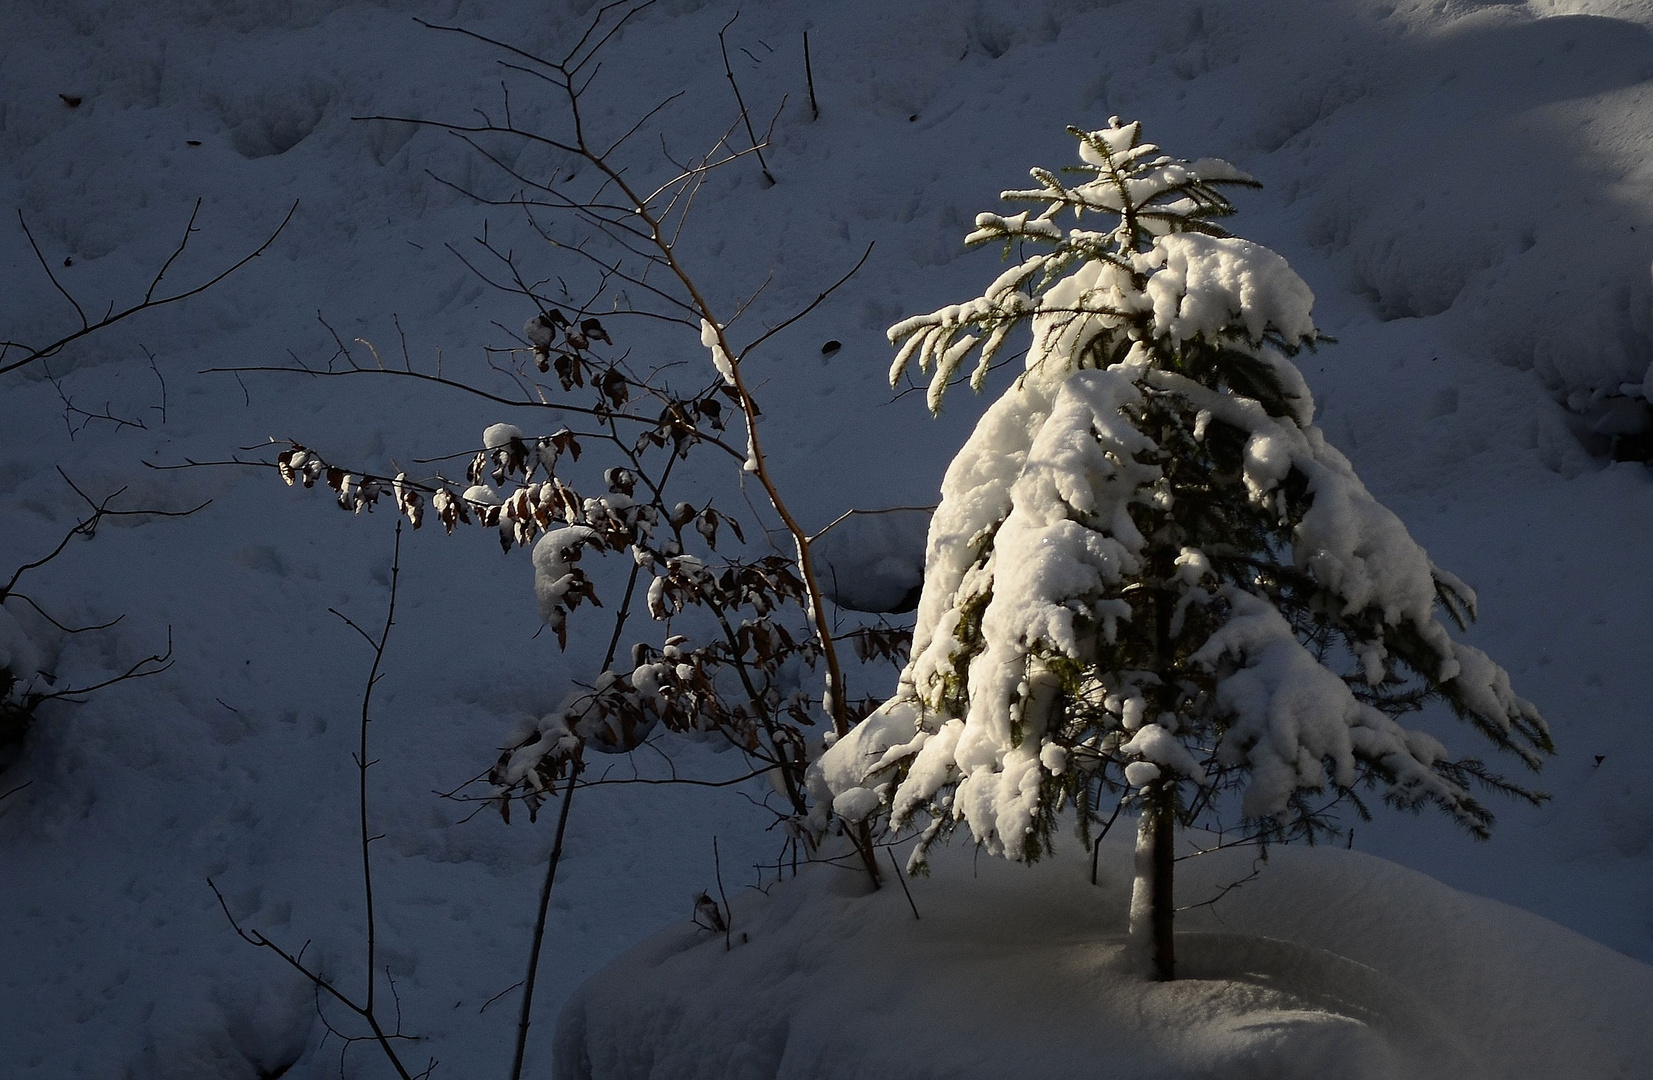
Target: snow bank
1330, 963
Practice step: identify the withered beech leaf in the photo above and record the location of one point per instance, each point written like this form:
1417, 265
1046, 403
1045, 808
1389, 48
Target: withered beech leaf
614, 386
570, 371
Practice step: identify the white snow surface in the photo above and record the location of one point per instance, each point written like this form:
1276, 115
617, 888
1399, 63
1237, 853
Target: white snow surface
1466, 188
19, 655
874, 562
1331, 963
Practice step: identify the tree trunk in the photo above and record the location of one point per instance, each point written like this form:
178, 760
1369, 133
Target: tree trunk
1152, 907
1155, 853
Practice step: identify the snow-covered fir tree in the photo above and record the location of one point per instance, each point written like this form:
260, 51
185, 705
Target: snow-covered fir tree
1150, 577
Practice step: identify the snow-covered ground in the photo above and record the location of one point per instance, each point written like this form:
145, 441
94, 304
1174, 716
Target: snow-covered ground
1465, 186
1331, 963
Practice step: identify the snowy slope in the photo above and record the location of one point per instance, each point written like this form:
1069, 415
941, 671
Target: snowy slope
1464, 186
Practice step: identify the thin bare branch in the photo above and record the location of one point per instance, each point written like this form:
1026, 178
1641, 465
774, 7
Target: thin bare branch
160, 662
809, 77
320, 982
572, 68
44, 265
645, 118
348, 621
723, 45
66, 629
363, 762
420, 377
189, 229
477, 129
150, 301
901, 877
728, 912
497, 996
526, 1016
811, 306
847, 514
466, 32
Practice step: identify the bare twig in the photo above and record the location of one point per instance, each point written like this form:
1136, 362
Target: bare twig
70, 409
847, 514
730, 72
44, 614
1107, 826
322, 985
723, 897
366, 1007
497, 996
161, 408
1256, 872
153, 664
31, 354
809, 76
899, 876
539, 924
363, 763
811, 306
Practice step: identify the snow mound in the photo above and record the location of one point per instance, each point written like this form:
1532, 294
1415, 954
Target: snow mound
1330, 963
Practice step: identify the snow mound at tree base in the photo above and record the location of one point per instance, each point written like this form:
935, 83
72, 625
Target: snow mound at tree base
1329, 964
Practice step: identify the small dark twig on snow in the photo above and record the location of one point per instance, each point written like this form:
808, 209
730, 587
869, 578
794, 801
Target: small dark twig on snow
730, 72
